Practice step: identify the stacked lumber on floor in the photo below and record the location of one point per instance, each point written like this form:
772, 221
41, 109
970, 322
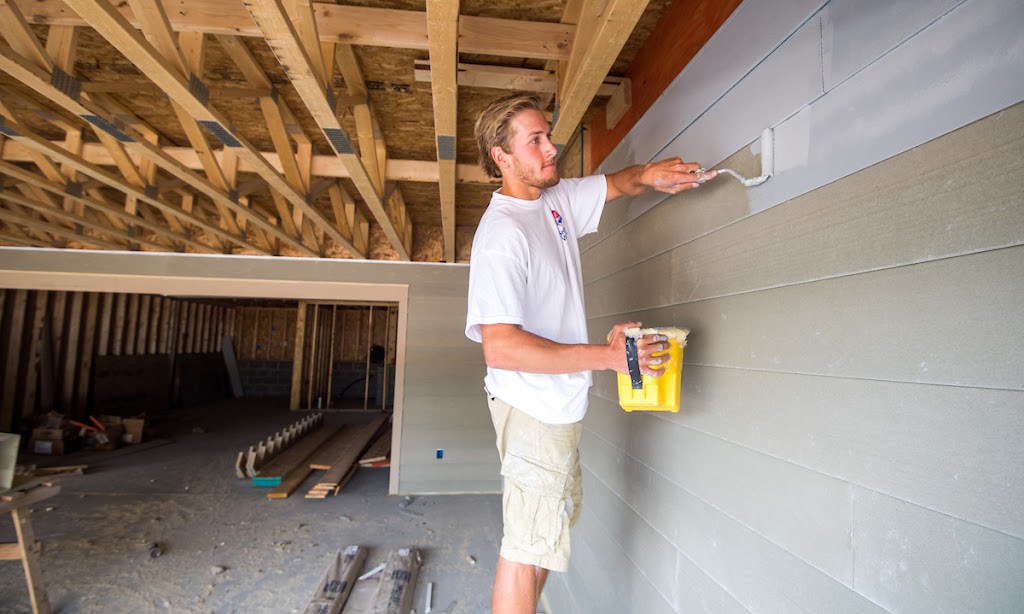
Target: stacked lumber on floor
396, 583
247, 464
291, 462
344, 456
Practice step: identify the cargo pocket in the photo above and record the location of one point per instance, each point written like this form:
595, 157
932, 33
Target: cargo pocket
535, 496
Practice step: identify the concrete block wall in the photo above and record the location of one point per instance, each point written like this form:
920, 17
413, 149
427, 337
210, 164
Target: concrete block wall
266, 378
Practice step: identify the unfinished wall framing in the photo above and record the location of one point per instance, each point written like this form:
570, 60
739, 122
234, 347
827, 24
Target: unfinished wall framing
437, 402
65, 351
337, 346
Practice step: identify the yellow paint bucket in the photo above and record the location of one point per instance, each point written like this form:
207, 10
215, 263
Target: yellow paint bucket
646, 393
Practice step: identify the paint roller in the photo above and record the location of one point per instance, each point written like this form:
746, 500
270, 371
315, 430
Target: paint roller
767, 162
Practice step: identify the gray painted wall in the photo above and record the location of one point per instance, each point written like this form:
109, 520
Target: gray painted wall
853, 389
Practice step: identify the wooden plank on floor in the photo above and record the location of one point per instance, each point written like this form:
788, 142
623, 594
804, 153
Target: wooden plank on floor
350, 454
332, 448
290, 482
336, 586
397, 584
273, 472
379, 450
321, 491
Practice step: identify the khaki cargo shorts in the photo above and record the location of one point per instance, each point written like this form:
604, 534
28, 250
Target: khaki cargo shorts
542, 490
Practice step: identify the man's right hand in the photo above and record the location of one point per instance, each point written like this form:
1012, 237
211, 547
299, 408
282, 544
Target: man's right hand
652, 351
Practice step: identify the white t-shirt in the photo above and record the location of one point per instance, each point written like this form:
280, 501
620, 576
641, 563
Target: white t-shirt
525, 270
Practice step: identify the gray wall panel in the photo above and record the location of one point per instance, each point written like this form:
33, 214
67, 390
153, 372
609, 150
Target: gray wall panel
909, 209
909, 558
649, 551
857, 32
614, 581
805, 513
952, 449
941, 322
853, 390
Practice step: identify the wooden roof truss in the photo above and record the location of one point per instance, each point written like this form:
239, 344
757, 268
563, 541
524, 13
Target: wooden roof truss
115, 182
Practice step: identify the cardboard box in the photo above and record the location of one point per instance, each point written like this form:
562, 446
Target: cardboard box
49, 447
50, 434
133, 430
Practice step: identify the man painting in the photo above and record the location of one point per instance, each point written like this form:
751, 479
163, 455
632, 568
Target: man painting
526, 308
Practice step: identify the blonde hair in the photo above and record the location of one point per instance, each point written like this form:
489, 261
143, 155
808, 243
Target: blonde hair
492, 127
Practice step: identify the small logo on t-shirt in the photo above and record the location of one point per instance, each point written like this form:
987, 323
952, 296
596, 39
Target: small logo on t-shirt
558, 223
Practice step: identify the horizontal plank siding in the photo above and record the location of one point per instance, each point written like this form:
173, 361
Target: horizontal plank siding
907, 209
906, 324
853, 390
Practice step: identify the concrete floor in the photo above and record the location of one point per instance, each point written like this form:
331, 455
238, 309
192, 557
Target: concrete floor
184, 496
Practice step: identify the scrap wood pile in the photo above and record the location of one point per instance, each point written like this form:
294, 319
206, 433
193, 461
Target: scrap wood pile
392, 584
285, 461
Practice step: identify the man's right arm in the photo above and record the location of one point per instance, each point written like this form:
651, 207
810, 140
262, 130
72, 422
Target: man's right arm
510, 348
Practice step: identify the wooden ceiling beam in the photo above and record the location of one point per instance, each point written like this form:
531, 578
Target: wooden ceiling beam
38, 231
32, 192
23, 241
186, 54
593, 52
13, 217
422, 171
271, 106
373, 150
39, 81
21, 38
281, 124
24, 136
353, 25
302, 16
273, 21
46, 165
443, 27
347, 214
509, 78
81, 222
192, 96
60, 189
192, 49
